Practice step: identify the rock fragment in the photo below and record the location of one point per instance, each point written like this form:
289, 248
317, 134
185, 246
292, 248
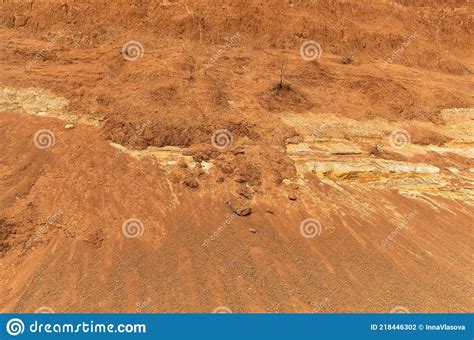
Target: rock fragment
346, 60
191, 182
242, 211
245, 192
292, 196
238, 151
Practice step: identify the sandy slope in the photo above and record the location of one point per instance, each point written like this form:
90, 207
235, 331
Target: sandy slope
390, 219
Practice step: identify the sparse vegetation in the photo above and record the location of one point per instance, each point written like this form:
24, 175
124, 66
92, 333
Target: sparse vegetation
191, 67
281, 84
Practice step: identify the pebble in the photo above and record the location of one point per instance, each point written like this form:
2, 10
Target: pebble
243, 211
69, 126
346, 60
191, 182
238, 151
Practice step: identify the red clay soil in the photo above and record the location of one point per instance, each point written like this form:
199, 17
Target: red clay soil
210, 65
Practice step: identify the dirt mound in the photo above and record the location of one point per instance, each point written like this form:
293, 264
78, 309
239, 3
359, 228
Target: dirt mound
285, 98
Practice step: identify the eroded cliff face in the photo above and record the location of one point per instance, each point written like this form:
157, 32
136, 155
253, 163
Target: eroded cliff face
205, 164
